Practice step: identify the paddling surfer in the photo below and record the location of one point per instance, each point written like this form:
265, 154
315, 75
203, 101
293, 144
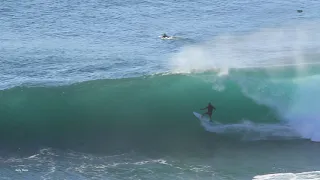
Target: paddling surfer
210, 109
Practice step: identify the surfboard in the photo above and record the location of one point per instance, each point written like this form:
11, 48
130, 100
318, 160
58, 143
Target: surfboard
197, 115
170, 37
203, 119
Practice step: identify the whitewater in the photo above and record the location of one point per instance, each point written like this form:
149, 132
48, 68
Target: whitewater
88, 90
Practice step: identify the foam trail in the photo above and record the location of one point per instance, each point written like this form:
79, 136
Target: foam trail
253, 131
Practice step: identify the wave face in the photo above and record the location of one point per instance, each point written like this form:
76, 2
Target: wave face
156, 111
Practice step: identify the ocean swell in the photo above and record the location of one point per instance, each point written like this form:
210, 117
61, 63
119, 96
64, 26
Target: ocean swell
157, 110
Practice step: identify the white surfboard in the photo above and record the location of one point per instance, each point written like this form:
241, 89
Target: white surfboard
203, 119
170, 37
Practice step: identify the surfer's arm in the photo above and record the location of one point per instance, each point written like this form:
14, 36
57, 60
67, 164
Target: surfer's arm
204, 108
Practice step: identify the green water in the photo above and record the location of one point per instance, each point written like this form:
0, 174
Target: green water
132, 112
146, 124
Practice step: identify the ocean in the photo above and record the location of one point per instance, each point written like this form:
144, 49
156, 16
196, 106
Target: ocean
89, 90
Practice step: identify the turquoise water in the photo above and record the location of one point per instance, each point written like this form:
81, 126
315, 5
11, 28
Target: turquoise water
90, 91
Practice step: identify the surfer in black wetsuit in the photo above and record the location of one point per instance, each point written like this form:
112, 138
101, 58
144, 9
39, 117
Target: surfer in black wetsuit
210, 109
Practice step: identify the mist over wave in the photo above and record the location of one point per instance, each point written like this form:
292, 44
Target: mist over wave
291, 44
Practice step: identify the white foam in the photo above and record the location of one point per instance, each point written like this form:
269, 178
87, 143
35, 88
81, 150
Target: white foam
312, 175
21, 170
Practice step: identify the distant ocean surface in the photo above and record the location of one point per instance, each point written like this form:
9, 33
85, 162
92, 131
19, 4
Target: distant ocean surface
89, 90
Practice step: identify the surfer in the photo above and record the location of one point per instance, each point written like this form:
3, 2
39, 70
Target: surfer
210, 109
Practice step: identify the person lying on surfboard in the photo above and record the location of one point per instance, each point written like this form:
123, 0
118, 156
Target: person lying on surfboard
210, 109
